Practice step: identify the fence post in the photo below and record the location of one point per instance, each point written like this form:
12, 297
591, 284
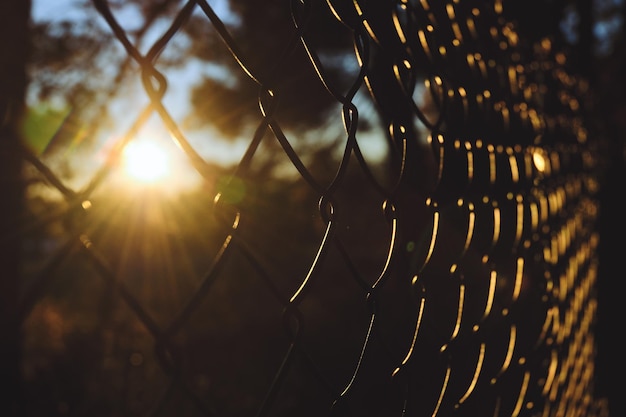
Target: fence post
14, 49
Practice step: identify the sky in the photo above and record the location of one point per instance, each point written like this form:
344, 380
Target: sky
207, 142
177, 100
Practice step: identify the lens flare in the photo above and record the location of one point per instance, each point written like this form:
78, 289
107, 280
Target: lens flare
146, 162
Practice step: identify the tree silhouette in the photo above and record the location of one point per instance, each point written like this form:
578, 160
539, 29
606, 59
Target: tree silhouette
14, 49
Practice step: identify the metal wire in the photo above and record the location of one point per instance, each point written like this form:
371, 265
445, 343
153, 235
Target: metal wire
460, 284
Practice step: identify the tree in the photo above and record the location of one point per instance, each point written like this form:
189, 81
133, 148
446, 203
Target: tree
13, 56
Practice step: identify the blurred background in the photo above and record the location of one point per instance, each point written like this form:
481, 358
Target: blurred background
303, 208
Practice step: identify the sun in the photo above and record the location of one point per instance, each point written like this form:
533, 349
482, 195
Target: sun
146, 162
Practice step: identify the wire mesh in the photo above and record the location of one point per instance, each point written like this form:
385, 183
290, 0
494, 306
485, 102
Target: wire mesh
454, 275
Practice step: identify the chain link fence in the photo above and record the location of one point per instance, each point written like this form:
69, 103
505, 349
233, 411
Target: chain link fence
410, 228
